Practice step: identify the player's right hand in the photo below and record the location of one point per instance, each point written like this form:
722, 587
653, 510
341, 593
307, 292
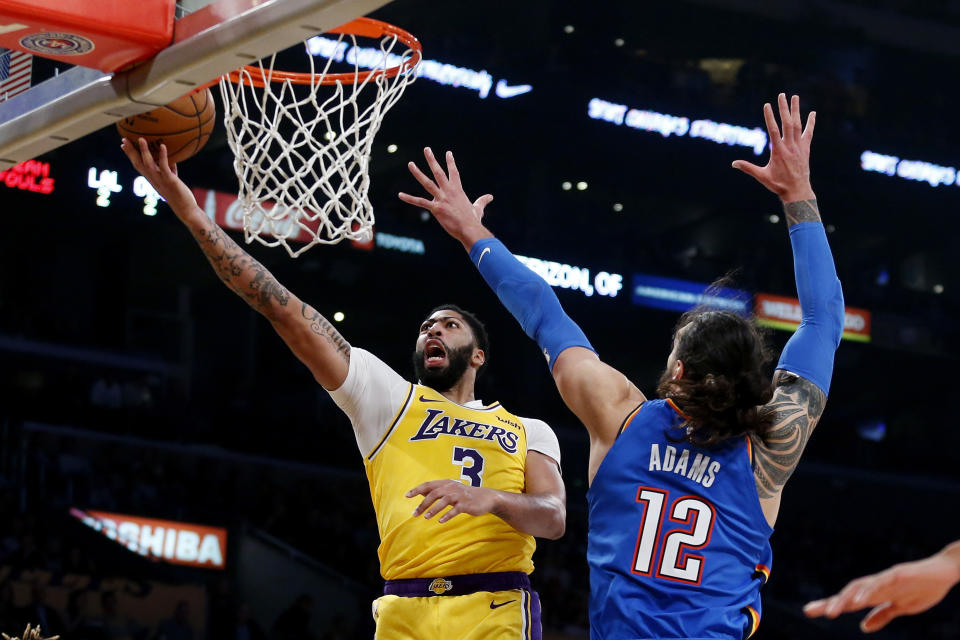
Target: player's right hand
161, 174
450, 206
903, 589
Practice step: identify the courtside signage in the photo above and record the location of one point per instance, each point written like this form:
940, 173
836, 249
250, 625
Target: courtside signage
184, 543
667, 125
779, 312
683, 295
567, 276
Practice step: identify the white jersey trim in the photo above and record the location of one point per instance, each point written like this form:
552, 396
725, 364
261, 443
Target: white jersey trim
375, 398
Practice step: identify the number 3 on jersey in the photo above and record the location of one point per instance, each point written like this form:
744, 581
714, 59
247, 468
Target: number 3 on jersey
676, 561
472, 473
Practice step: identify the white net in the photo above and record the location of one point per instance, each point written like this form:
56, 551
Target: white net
302, 151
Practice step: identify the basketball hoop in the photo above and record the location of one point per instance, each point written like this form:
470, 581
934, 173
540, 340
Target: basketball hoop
302, 160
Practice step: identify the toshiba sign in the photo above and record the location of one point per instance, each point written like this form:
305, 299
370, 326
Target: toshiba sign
784, 313
183, 543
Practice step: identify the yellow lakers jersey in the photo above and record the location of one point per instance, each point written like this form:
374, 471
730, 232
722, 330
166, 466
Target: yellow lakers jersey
432, 438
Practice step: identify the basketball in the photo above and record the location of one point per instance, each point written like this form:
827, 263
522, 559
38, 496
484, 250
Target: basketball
184, 126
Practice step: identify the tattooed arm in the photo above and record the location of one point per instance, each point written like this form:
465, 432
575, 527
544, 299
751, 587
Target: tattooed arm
308, 334
796, 407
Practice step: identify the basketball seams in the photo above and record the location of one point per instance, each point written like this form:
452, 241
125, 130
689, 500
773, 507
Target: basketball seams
190, 131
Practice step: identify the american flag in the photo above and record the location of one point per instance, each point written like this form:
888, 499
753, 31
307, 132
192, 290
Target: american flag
15, 69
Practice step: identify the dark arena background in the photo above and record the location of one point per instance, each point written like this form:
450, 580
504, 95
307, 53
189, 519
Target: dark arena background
135, 387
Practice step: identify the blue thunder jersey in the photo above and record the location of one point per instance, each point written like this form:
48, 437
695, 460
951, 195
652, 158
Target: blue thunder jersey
678, 544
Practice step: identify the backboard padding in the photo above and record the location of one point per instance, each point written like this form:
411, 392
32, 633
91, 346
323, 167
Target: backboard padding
208, 43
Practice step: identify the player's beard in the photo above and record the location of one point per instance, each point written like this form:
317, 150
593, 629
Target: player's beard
444, 378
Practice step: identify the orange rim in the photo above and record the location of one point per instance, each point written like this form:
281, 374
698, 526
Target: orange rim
367, 27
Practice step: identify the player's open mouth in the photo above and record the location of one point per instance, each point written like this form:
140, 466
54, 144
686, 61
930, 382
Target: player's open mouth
434, 353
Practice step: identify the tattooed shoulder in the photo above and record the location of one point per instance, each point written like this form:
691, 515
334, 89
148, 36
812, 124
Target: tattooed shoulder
796, 406
801, 211
322, 328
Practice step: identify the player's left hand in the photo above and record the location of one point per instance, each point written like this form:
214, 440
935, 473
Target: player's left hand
440, 494
450, 205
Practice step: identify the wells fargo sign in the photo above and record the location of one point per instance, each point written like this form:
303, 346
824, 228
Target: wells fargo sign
183, 543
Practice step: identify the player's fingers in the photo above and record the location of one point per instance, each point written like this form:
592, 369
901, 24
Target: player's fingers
879, 617
815, 608
481, 204
132, 155
840, 603
452, 170
163, 162
437, 507
423, 203
449, 514
773, 131
811, 123
435, 167
422, 489
786, 123
424, 181
428, 500
795, 120
748, 168
146, 157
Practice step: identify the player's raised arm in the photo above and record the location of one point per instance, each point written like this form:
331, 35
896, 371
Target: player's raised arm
805, 368
598, 394
308, 334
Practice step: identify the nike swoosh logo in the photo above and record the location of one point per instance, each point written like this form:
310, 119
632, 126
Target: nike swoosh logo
494, 605
425, 399
506, 91
482, 253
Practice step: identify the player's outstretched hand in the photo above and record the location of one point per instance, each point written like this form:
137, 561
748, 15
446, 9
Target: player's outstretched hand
903, 589
161, 173
787, 173
440, 494
450, 205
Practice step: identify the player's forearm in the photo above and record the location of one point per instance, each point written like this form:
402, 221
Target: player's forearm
472, 234
528, 298
809, 352
539, 515
245, 276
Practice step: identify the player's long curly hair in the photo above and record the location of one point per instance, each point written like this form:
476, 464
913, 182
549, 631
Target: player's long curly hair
724, 384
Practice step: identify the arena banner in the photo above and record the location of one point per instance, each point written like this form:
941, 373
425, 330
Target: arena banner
779, 312
226, 211
184, 543
683, 295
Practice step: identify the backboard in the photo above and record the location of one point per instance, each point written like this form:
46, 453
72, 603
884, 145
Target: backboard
211, 38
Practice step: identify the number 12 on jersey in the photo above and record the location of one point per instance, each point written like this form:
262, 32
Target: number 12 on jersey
670, 534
